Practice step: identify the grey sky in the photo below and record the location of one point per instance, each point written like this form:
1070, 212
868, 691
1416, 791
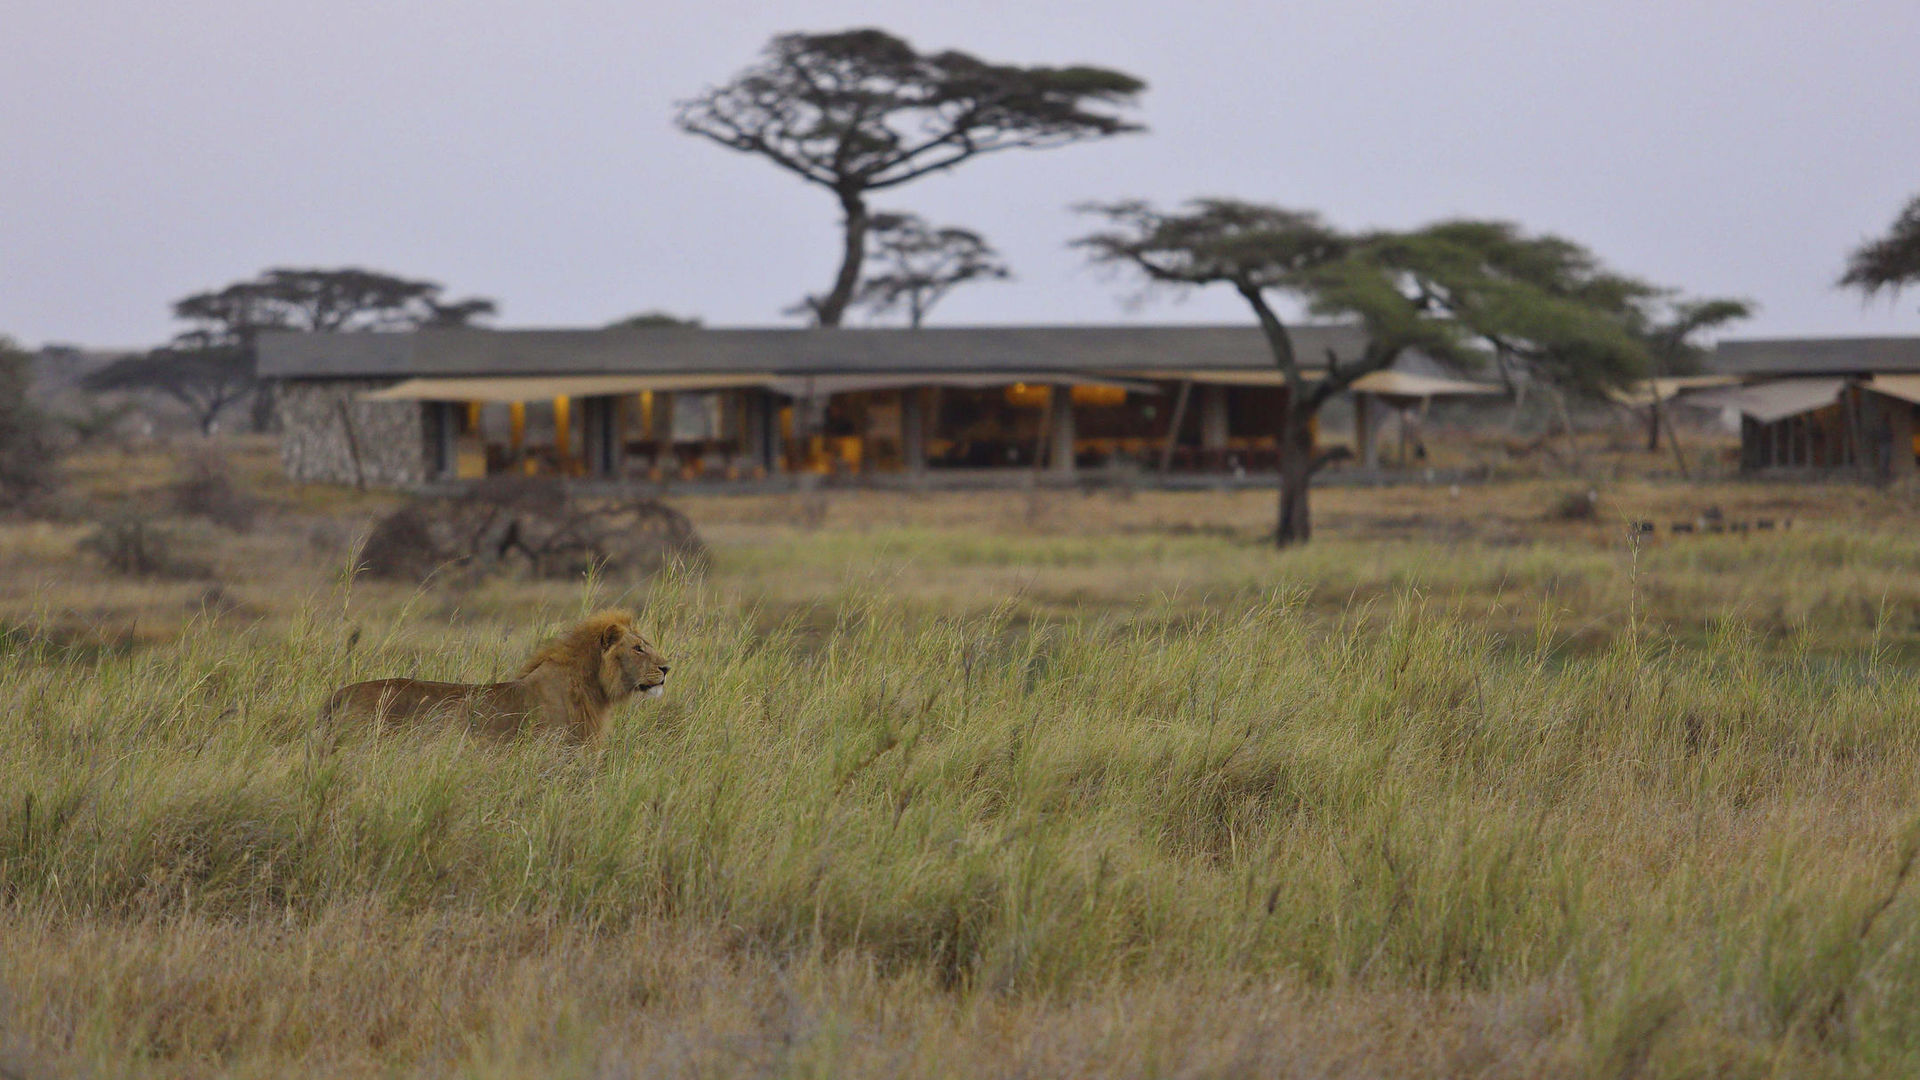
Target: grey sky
526, 151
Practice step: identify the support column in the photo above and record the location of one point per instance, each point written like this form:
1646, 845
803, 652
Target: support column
1900, 424
601, 438
441, 428
1175, 422
753, 428
913, 430
590, 449
1213, 419
1365, 430
661, 424
1060, 455
1893, 424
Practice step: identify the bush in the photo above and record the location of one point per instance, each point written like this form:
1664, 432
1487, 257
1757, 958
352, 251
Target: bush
527, 526
206, 490
128, 543
29, 451
1575, 506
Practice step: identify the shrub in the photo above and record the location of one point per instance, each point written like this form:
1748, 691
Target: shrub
526, 526
206, 490
1575, 506
128, 543
28, 449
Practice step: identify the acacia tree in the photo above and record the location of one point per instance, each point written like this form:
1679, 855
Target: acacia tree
325, 300
204, 377
1455, 291
343, 299
917, 265
1672, 342
859, 111
210, 366
1891, 262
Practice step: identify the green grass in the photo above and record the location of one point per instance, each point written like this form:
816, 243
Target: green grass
1697, 852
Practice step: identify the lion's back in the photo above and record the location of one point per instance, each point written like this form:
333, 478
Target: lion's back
396, 701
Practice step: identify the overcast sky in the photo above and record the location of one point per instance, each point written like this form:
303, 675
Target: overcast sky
525, 151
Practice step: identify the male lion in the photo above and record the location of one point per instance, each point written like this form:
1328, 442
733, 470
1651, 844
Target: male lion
570, 684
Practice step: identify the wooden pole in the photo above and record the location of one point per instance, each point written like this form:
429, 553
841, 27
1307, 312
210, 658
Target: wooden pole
1673, 434
1060, 457
1363, 430
1179, 417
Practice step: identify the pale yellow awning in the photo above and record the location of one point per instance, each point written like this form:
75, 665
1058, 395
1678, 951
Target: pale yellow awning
1904, 387
1387, 383
803, 386
1227, 376
511, 388
1648, 391
1407, 384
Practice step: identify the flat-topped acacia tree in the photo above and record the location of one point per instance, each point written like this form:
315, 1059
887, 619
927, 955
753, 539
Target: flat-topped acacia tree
916, 265
859, 111
1457, 291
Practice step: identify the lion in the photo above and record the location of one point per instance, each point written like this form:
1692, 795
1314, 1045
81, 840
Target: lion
569, 685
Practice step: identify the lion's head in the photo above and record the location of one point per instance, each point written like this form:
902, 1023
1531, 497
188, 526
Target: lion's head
611, 652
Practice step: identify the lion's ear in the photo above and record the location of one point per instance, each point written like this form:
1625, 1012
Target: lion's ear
612, 635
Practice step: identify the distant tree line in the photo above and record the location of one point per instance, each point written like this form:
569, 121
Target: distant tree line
211, 366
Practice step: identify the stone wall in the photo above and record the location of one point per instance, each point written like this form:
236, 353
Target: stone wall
329, 435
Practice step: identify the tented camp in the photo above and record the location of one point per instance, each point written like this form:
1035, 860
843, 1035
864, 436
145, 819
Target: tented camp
1822, 403
662, 403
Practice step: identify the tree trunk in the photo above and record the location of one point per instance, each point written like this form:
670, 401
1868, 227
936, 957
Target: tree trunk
1295, 525
833, 307
1653, 425
263, 417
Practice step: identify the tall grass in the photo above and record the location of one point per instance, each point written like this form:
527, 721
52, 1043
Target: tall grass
1703, 850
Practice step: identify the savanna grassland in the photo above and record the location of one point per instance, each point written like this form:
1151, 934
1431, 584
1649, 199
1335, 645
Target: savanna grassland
1015, 784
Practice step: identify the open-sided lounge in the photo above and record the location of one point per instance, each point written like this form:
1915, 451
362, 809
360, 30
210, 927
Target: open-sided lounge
688, 403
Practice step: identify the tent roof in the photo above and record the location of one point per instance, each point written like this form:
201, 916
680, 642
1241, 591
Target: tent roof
1648, 391
1773, 400
1386, 383
1407, 384
1904, 387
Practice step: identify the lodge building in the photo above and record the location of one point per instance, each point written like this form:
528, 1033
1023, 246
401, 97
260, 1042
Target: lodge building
684, 403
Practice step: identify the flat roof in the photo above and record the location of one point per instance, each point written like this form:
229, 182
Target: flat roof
1817, 356
1065, 350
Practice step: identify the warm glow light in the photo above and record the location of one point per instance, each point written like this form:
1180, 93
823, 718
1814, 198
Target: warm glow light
1028, 396
563, 428
1097, 395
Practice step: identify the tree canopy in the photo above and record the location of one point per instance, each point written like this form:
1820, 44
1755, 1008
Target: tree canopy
861, 110
342, 299
1462, 292
210, 366
204, 377
654, 319
1892, 262
916, 265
